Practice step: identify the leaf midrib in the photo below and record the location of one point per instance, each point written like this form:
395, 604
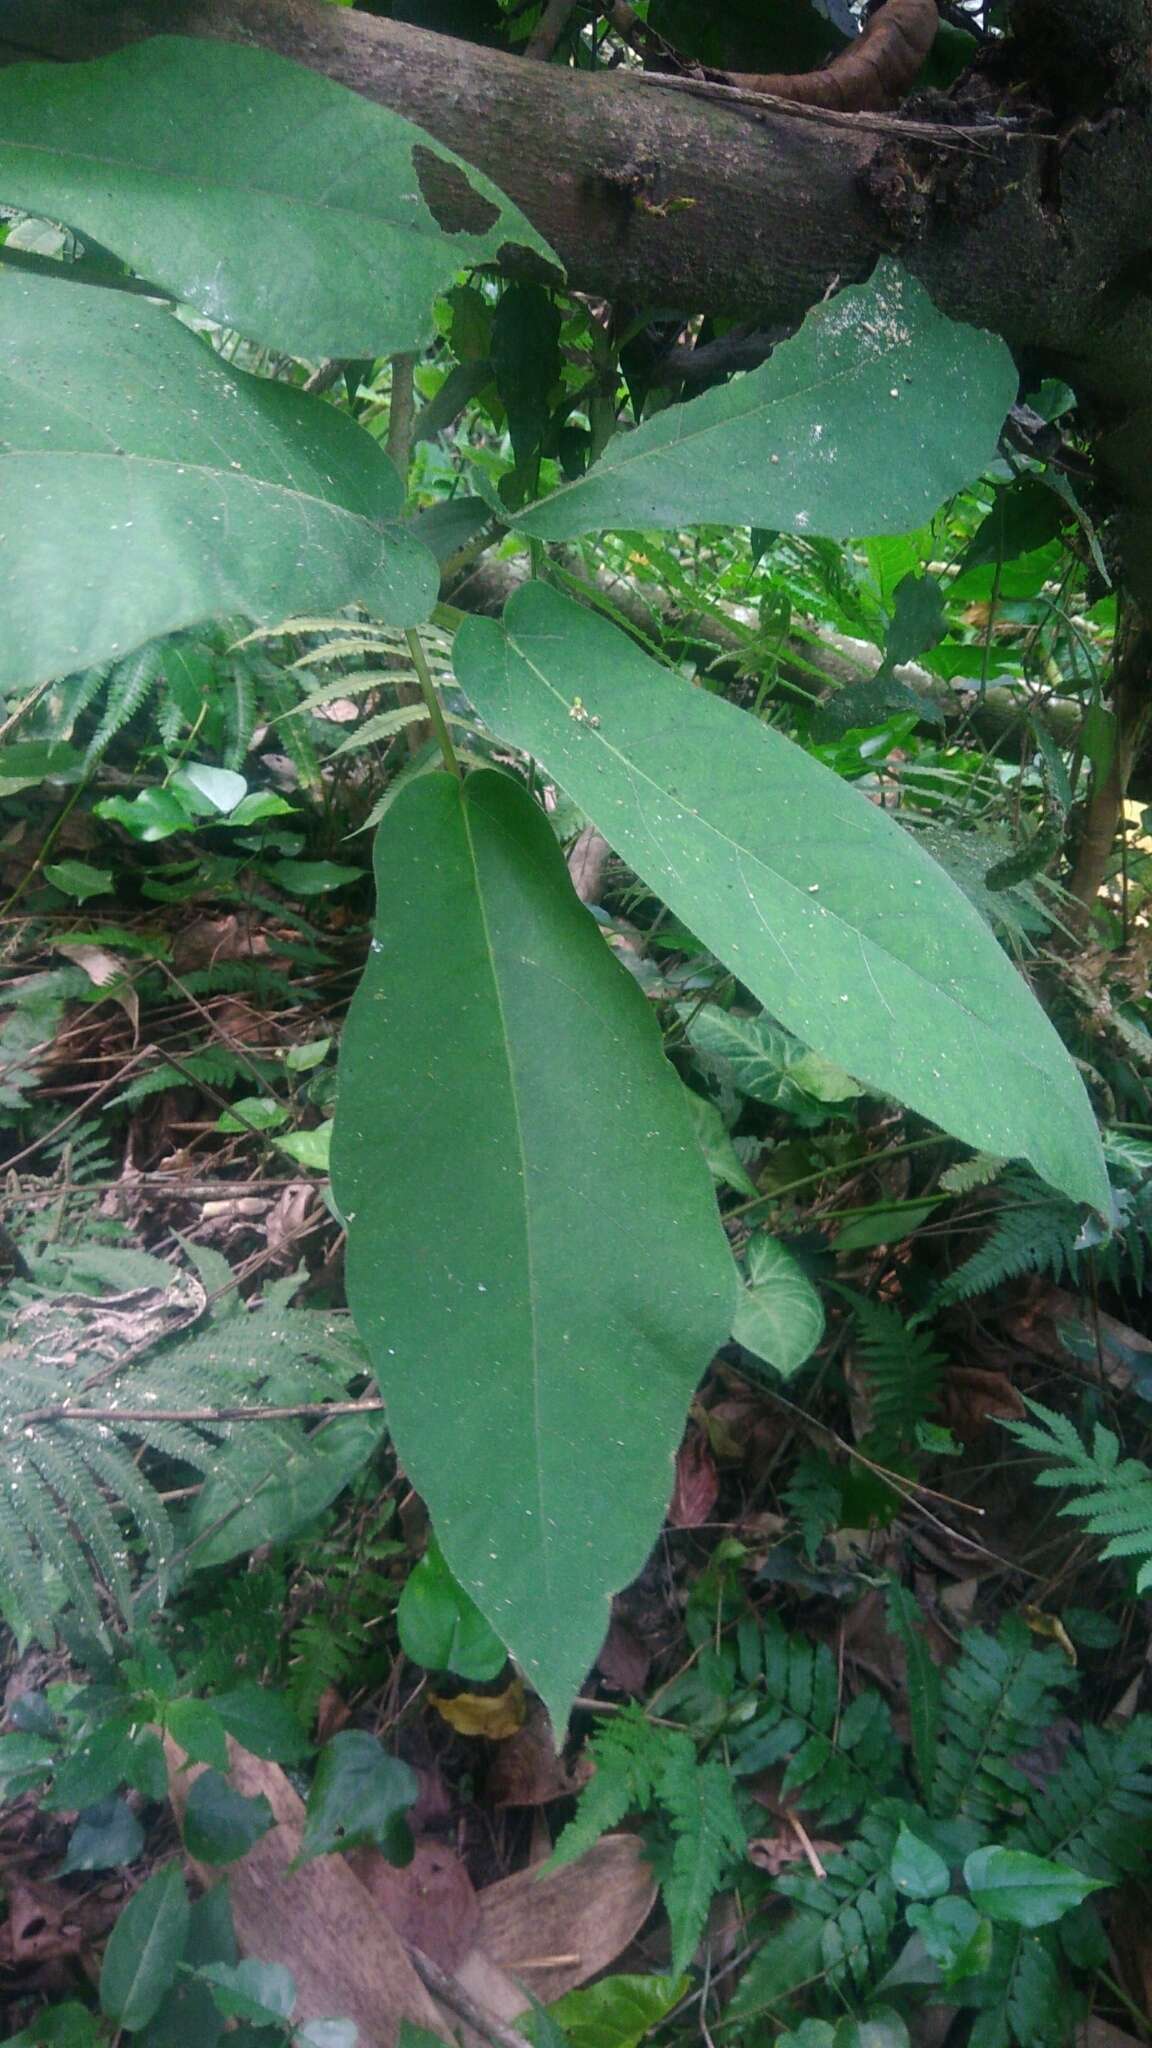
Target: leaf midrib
522, 1157
746, 853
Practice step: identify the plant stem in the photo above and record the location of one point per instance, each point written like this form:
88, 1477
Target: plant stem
431, 698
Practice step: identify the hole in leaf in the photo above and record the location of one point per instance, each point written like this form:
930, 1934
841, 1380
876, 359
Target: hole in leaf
449, 197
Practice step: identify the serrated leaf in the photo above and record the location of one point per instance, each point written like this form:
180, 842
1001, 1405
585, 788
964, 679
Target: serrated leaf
537, 1358
864, 422
1021, 1890
842, 926
223, 493
618, 2012
779, 1315
271, 198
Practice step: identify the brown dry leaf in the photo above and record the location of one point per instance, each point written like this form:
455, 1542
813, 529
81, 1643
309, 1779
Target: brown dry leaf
697, 1485
342, 1950
495, 1716
431, 1902
41, 1924
526, 1770
974, 1397
1055, 1326
553, 1930
332, 1714
587, 860
624, 1662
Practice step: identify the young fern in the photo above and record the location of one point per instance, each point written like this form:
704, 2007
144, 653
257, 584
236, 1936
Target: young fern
900, 1368
1112, 1496
640, 1766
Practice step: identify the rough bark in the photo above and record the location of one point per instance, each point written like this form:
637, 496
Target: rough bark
775, 206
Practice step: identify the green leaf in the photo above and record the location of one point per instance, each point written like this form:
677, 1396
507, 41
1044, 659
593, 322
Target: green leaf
360, 1795
955, 1936
150, 815
864, 422
442, 1628
25, 1761
144, 1950
264, 1723
558, 1327
618, 2012
28, 762
200, 1732
220, 789
104, 1836
779, 1315
76, 878
313, 877
150, 485
917, 1869
62, 2026
1022, 1890
220, 1824
253, 1113
251, 1990
284, 1477
272, 199
724, 1162
309, 1148
835, 919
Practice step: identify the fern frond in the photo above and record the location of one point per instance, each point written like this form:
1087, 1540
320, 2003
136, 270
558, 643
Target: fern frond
1095, 1811
857, 1902
710, 1837
238, 696
1113, 1495
996, 1702
900, 1368
129, 684
629, 1757
975, 1172
837, 1760
1034, 1232
1023, 1996
813, 1498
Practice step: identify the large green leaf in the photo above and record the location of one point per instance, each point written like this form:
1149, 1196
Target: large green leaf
864, 422
270, 198
147, 485
835, 919
535, 1261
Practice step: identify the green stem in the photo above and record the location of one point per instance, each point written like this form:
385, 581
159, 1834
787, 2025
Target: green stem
835, 1172
431, 698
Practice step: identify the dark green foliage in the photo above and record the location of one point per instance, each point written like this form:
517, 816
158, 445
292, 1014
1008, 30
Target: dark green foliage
1034, 1231
812, 1497
1095, 1811
856, 1901
839, 1756
997, 1700
900, 1367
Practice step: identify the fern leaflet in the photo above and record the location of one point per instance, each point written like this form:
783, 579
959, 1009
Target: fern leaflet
900, 1368
1095, 1812
837, 1759
997, 1700
1034, 1232
1113, 1494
